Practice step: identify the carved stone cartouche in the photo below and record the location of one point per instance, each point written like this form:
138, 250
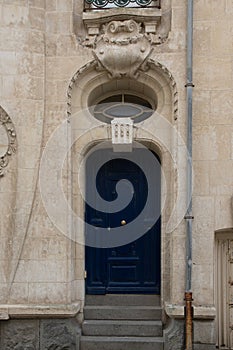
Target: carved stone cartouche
122, 49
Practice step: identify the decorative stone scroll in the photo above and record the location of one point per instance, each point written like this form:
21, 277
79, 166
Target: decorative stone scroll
122, 134
122, 49
7, 140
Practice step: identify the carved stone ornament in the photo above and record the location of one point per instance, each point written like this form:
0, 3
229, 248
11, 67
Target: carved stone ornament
122, 49
7, 140
122, 134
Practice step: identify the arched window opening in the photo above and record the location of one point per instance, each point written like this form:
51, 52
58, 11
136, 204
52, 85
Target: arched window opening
123, 106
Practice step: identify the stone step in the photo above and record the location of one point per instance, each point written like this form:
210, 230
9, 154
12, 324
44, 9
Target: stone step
123, 299
121, 343
122, 328
122, 312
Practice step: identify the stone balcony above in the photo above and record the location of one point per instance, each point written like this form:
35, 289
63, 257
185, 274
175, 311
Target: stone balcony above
94, 16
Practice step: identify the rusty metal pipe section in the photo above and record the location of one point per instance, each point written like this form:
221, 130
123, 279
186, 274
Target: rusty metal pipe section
188, 321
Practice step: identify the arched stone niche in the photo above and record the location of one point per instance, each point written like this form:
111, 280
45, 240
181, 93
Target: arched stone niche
157, 85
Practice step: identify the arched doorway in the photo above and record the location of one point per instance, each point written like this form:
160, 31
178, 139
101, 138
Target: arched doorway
133, 267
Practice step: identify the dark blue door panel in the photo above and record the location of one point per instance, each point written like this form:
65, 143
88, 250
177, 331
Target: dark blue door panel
134, 267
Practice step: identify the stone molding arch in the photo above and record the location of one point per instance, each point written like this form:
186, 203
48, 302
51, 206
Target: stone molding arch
157, 78
90, 72
100, 134
8, 125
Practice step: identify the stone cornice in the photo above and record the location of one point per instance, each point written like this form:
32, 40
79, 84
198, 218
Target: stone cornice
32, 310
200, 312
104, 16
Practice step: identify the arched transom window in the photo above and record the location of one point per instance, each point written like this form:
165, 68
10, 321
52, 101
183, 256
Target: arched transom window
122, 105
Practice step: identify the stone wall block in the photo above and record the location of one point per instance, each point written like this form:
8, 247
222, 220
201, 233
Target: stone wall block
18, 293
209, 9
64, 45
221, 177
15, 15
221, 105
41, 271
20, 335
201, 178
47, 293
59, 22
224, 133
29, 87
32, 64
8, 63
44, 334
204, 143
223, 212
203, 210
203, 275
57, 71
59, 334
37, 18
204, 332
174, 335
229, 7
202, 36
37, 3
203, 251
56, 113
221, 36
64, 6
7, 86
178, 18
35, 42
51, 5
44, 248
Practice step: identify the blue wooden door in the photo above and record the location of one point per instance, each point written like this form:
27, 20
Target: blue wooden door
133, 267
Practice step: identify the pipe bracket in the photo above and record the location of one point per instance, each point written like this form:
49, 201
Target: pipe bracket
189, 217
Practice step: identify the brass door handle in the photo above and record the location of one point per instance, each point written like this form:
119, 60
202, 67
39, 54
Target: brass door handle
123, 222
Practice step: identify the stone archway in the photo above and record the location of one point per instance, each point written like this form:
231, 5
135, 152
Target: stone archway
156, 83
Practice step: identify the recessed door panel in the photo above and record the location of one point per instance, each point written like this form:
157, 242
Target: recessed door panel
133, 267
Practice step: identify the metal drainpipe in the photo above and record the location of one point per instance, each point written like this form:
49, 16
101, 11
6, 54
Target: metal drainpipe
189, 217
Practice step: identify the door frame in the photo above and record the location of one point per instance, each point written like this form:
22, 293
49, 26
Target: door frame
155, 148
222, 289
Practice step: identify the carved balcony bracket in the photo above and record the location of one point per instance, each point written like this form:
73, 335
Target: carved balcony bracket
148, 17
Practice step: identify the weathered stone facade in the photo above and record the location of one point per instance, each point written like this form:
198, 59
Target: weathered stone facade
55, 63
59, 334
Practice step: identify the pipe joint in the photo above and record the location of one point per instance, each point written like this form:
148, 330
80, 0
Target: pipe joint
189, 217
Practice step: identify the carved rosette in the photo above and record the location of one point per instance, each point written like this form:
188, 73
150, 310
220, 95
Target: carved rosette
122, 49
10, 148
